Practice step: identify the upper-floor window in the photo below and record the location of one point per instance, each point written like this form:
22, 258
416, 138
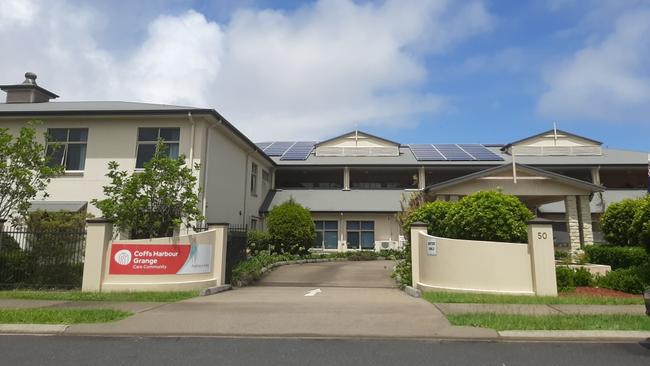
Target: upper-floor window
148, 138
254, 179
266, 180
67, 147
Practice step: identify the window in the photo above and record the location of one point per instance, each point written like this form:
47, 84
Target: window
254, 179
253, 223
67, 147
327, 233
147, 140
361, 234
266, 181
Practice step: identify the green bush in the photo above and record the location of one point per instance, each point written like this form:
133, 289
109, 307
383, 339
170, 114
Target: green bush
490, 216
433, 214
616, 222
291, 228
568, 278
403, 271
564, 279
640, 228
258, 241
12, 267
8, 243
582, 277
616, 256
625, 279
251, 269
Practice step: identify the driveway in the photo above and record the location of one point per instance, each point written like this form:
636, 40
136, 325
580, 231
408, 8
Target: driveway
363, 274
337, 299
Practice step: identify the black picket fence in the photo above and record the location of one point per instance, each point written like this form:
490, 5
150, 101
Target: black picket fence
236, 249
41, 259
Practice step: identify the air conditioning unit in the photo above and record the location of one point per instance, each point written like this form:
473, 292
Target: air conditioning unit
383, 245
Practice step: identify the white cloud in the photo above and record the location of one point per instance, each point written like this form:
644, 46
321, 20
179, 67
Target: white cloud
609, 80
306, 73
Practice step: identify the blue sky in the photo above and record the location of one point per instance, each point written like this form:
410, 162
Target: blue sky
411, 71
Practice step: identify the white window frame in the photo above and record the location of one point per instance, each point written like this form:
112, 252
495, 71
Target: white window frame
64, 145
138, 142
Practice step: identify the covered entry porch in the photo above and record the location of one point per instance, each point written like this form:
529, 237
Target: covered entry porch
534, 187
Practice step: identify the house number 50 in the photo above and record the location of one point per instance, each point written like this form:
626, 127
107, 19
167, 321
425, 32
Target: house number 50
541, 235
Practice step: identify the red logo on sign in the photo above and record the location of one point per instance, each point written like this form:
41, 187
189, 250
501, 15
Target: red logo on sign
138, 259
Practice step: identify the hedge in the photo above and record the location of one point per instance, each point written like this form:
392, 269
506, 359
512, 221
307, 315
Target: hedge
640, 228
291, 228
490, 216
616, 222
616, 256
433, 214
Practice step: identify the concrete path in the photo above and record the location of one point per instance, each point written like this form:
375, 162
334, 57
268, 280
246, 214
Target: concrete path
533, 309
365, 274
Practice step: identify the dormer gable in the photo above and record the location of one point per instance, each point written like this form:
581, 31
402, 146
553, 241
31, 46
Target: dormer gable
555, 143
357, 143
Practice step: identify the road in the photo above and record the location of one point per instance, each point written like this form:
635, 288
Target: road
105, 351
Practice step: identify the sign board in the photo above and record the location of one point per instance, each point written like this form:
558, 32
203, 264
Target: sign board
432, 247
147, 259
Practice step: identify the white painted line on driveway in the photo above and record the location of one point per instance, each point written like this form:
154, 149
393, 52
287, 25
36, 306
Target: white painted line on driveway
313, 292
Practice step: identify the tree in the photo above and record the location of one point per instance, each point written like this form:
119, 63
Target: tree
24, 172
490, 216
616, 222
291, 228
154, 202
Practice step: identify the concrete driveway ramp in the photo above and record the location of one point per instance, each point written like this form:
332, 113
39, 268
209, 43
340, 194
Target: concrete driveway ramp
361, 274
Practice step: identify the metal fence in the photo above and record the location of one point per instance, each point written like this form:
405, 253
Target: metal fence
41, 258
236, 248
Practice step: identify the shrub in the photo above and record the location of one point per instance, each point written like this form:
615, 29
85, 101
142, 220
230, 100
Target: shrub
568, 278
625, 279
562, 255
291, 228
616, 222
251, 269
616, 256
488, 215
582, 277
433, 214
640, 228
564, 278
258, 241
8, 243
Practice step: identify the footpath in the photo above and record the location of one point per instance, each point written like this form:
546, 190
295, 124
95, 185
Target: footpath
333, 313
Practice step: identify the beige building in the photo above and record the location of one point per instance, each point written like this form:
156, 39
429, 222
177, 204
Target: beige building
235, 174
353, 184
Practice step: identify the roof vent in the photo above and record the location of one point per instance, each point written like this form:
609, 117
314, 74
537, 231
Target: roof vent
28, 91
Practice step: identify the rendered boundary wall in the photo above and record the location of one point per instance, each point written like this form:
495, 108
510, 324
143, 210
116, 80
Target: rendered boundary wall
442, 264
103, 273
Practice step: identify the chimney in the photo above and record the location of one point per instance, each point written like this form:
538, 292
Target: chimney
28, 91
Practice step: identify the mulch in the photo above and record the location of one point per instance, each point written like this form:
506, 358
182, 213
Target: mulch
598, 292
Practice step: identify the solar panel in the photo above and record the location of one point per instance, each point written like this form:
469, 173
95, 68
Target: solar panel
453, 152
425, 152
278, 148
480, 152
263, 145
299, 151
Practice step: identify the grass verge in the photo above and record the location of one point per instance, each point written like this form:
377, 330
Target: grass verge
452, 297
60, 316
99, 296
552, 322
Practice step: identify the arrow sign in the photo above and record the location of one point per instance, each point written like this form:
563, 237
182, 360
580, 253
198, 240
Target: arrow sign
313, 292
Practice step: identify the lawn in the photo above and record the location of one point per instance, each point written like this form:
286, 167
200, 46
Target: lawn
552, 322
59, 316
99, 296
452, 297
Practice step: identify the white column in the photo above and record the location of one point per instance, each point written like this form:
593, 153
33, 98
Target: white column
99, 233
542, 257
220, 252
572, 222
346, 179
422, 178
585, 220
416, 229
